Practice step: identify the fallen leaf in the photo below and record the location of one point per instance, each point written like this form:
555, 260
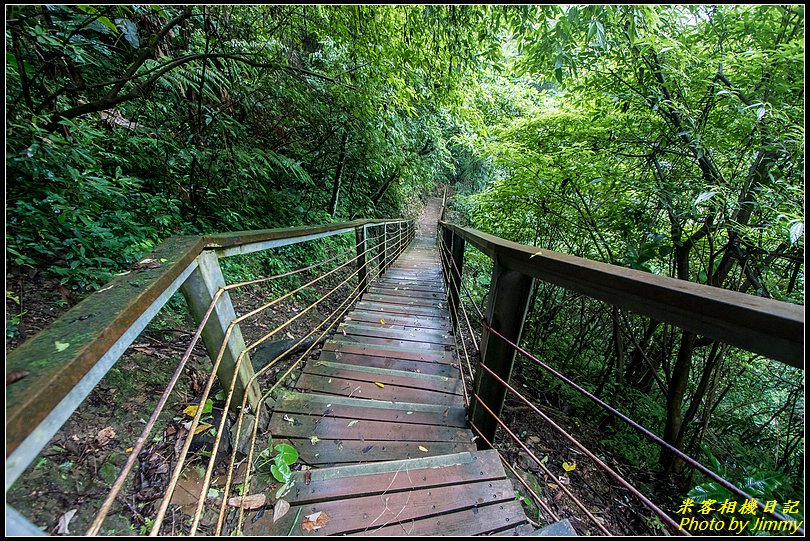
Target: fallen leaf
202, 427
314, 440
17, 375
251, 502
423, 449
308, 476
315, 521
408, 413
552, 485
351, 423
64, 521
104, 436
129, 449
344, 331
281, 508
61, 346
569, 466
378, 384
382, 322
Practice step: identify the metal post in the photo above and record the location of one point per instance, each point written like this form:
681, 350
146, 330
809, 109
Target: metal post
361, 246
454, 285
199, 290
509, 295
387, 248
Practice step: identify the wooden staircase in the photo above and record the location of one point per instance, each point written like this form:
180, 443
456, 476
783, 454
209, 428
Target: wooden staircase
380, 416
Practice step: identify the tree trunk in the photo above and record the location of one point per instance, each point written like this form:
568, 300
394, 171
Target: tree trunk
338, 174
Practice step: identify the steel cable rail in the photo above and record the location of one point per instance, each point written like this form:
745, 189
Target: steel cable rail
176, 271
401, 239
455, 284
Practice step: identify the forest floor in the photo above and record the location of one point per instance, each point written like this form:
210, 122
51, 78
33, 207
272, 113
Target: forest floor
63, 489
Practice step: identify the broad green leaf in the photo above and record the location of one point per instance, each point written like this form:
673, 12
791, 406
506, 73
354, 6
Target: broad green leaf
286, 453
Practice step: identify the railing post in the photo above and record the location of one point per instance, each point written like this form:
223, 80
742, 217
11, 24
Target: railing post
387, 248
401, 231
199, 290
362, 250
456, 261
509, 295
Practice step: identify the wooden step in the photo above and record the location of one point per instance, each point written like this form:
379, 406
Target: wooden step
457, 494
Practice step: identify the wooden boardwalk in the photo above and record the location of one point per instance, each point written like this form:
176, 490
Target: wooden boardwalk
394, 455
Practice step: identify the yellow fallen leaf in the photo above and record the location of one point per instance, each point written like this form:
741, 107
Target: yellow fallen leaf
129, 449
202, 427
569, 466
382, 322
314, 440
423, 449
191, 411
378, 384
552, 485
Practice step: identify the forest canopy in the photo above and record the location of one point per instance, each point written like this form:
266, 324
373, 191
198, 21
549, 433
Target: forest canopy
668, 139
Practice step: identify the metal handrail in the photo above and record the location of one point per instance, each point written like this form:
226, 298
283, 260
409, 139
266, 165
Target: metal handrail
66, 361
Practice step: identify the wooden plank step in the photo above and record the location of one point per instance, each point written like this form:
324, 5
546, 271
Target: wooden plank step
401, 309
434, 296
384, 376
412, 345
404, 299
441, 322
357, 408
332, 452
394, 476
373, 514
370, 391
419, 367
411, 284
387, 331
414, 283
332, 428
400, 322
446, 357
479, 520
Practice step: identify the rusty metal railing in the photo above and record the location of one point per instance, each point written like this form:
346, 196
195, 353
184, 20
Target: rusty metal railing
761, 325
111, 319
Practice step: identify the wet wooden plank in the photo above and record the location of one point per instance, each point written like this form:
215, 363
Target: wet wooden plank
367, 513
367, 390
374, 361
407, 292
388, 351
403, 299
332, 428
439, 322
386, 331
394, 476
328, 453
384, 376
480, 520
412, 345
412, 282
402, 310
351, 408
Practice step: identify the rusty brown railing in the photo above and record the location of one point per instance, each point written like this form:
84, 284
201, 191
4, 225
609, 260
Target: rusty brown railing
67, 360
770, 328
